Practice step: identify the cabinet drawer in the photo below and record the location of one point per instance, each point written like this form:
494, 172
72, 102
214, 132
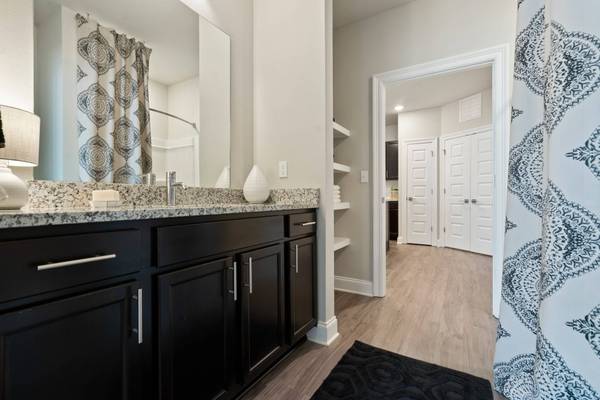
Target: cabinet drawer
34, 266
301, 224
182, 243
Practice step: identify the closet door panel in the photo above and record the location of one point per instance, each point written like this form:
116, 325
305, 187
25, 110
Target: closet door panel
457, 185
482, 191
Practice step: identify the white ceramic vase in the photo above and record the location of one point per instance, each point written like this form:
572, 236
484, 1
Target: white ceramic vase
256, 187
13, 191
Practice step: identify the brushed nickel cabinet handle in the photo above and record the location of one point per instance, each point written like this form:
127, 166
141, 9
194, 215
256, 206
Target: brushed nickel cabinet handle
466, 201
474, 201
307, 223
234, 291
140, 327
79, 261
296, 258
250, 273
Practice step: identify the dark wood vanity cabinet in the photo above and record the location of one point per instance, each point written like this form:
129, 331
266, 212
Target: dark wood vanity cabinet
192, 307
263, 309
393, 219
197, 322
301, 283
81, 347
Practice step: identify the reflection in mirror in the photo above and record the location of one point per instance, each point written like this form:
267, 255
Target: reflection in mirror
130, 89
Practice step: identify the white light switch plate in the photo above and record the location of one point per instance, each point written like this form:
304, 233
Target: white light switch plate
364, 176
283, 169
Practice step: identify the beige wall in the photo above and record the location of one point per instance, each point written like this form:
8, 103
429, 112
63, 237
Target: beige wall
419, 124
293, 117
235, 17
289, 90
16, 59
417, 32
16, 53
451, 124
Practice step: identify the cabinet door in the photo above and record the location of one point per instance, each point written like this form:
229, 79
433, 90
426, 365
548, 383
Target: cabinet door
301, 283
393, 220
263, 309
391, 160
83, 347
196, 339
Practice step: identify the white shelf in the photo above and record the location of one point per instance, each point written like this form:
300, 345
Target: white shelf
341, 206
340, 242
341, 168
339, 132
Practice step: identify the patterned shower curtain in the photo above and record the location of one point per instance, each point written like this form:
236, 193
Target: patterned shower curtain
549, 335
112, 101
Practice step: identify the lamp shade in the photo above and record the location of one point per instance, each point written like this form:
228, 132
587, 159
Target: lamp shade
19, 137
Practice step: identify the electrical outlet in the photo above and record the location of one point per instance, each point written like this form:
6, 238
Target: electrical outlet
364, 176
283, 169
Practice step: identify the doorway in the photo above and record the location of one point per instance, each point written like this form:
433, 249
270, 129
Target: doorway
497, 58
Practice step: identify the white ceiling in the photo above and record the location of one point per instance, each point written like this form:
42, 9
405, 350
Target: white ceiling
168, 27
435, 91
348, 11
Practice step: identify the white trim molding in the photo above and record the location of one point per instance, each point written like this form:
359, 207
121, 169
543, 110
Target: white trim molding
352, 285
324, 333
498, 57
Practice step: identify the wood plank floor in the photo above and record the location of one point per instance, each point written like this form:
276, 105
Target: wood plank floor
437, 309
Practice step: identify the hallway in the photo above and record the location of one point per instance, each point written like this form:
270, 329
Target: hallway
437, 309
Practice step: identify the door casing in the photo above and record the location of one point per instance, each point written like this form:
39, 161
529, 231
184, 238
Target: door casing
499, 58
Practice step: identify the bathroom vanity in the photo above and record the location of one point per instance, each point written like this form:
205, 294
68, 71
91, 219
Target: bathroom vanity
165, 306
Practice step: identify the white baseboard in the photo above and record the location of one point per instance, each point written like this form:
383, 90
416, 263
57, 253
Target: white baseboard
352, 285
324, 333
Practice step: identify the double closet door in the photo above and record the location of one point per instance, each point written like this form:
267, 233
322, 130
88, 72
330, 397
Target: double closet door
467, 193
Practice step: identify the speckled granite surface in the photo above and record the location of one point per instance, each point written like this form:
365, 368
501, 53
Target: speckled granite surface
54, 203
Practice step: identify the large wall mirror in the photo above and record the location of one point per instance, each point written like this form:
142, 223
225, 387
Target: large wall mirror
129, 89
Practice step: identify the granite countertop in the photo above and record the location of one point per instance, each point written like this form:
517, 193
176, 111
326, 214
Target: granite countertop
57, 203
64, 216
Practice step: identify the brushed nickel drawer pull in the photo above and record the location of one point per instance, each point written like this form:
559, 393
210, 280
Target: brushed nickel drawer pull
79, 261
307, 223
234, 291
296, 258
140, 302
250, 274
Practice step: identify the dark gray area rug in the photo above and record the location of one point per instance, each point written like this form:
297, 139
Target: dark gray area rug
368, 373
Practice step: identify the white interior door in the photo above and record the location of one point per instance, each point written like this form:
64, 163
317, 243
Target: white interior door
457, 197
482, 189
419, 192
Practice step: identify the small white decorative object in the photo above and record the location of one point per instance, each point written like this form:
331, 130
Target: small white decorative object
104, 204
105, 195
19, 147
223, 180
256, 188
13, 191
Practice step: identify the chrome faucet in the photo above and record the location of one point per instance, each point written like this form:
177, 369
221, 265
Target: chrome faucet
171, 185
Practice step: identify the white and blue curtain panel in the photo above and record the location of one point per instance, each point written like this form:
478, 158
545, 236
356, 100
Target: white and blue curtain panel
112, 105
548, 341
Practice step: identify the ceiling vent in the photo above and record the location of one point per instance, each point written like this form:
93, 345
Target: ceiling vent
469, 108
